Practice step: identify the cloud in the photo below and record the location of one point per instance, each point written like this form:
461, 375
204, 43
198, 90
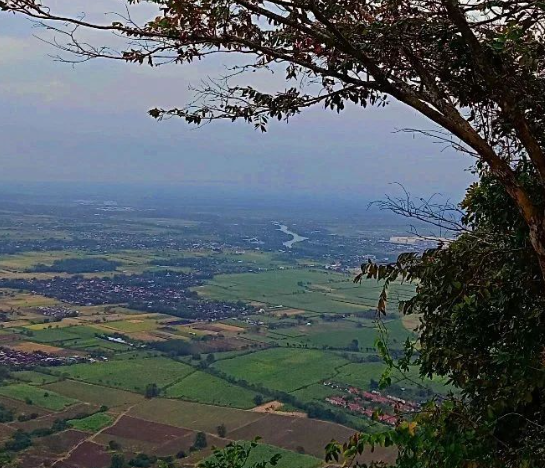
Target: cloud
15, 50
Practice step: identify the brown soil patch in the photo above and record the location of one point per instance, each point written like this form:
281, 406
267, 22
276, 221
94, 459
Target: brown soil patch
295, 414
28, 347
291, 433
21, 407
146, 336
271, 406
130, 445
11, 338
138, 435
288, 312
87, 455
221, 327
274, 407
5, 432
61, 442
15, 323
139, 429
48, 449
135, 321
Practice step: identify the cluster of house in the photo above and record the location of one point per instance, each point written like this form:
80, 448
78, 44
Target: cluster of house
165, 292
57, 312
16, 359
368, 402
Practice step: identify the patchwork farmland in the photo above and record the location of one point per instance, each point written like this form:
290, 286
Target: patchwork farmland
144, 351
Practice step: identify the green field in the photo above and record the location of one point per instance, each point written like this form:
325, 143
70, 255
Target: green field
360, 376
205, 388
283, 369
34, 377
263, 452
130, 374
317, 392
38, 396
133, 325
92, 423
64, 335
311, 290
339, 335
76, 337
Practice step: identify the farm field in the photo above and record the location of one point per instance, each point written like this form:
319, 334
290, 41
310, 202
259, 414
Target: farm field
79, 337
288, 459
340, 334
205, 388
94, 394
200, 321
34, 377
92, 423
282, 368
307, 289
37, 396
190, 415
130, 374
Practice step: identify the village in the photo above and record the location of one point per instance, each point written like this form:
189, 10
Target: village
165, 291
20, 360
384, 408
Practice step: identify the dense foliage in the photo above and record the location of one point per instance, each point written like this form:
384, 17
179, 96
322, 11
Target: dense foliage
481, 301
76, 265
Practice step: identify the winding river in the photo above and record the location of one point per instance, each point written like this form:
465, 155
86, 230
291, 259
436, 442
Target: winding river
295, 237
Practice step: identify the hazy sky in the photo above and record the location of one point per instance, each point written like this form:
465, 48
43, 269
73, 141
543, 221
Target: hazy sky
89, 123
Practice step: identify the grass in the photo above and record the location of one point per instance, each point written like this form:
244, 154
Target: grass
38, 396
283, 369
92, 423
317, 392
340, 334
34, 377
25, 300
205, 388
308, 289
76, 337
94, 394
194, 416
360, 376
63, 335
24, 261
288, 459
131, 325
130, 374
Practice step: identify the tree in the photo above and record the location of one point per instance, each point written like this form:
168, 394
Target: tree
113, 445
19, 440
200, 441
118, 461
473, 68
152, 390
482, 305
210, 359
222, 430
237, 455
258, 400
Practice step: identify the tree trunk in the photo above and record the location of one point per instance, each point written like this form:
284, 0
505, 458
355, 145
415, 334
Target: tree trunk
537, 239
